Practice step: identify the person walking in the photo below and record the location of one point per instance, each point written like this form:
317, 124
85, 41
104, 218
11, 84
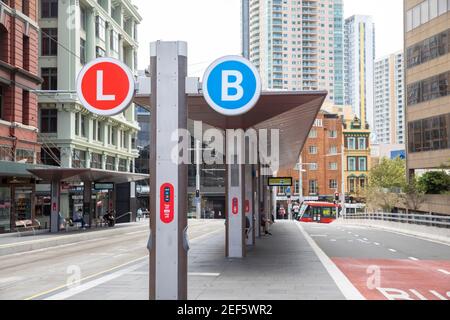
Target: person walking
264, 222
78, 217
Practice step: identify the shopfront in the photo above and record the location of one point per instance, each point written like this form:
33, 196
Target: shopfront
17, 200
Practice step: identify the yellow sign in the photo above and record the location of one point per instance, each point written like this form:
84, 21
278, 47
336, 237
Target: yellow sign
280, 182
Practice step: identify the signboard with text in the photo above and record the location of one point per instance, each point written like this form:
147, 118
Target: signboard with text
279, 182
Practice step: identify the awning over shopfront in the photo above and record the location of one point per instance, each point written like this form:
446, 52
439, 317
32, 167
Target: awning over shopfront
80, 175
17, 169
292, 112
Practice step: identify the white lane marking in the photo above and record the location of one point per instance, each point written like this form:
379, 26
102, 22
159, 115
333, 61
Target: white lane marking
376, 243
437, 294
333, 240
136, 232
413, 259
319, 235
365, 239
444, 272
392, 250
51, 248
356, 235
344, 285
361, 240
10, 279
91, 284
203, 274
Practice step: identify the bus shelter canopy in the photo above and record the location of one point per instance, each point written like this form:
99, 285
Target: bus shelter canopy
291, 112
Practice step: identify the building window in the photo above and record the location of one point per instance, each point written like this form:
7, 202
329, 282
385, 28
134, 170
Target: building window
312, 150
26, 52
51, 156
50, 77
313, 133
333, 150
83, 126
362, 164
362, 144
99, 131
96, 161
25, 156
429, 89
100, 28
78, 159
332, 134
114, 41
333, 165
351, 164
333, 184
49, 120
26, 7
49, 8
110, 163
77, 124
49, 41
313, 187
123, 165
26, 108
83, 18
429, 134
82, 51
351, 185
351, 143
318, 123
100, 52
313, 166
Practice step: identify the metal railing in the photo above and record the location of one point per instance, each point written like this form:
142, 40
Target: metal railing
431, 220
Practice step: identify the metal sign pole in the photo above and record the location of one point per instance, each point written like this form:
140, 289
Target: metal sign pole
168, 243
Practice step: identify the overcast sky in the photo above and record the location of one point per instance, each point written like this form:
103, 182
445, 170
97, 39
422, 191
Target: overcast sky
212, 28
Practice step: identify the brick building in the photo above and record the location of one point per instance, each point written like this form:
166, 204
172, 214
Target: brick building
19, 148
321, 161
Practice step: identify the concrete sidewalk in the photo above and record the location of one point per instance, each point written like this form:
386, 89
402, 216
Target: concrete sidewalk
282, 266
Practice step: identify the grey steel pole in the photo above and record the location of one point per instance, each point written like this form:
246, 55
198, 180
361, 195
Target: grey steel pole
168, 243
197, 179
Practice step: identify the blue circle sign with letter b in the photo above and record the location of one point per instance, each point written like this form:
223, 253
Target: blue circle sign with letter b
232, 85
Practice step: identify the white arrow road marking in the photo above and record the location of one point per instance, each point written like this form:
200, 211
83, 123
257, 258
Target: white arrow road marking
444, 272
319, 235
392, 250
376, 243
413, 259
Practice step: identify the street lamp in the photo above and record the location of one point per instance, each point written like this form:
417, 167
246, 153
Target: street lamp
300, 179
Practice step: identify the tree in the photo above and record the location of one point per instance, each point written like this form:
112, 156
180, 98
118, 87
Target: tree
386, 180
435, 182
413, 194
388, 174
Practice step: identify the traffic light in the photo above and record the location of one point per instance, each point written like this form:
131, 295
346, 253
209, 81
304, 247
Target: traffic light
336, 196
197, 193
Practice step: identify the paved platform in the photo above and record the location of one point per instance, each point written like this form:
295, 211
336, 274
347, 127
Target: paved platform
282, 266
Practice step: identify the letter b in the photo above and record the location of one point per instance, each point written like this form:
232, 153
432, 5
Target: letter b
227, 85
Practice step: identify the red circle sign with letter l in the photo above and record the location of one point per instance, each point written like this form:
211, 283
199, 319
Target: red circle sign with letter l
105, 86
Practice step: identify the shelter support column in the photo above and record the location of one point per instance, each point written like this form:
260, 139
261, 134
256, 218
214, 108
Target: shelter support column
235, 195
87, 199
168, 243
249, 204
54, 218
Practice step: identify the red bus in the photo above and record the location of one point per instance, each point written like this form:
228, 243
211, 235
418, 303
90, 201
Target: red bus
319, 212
